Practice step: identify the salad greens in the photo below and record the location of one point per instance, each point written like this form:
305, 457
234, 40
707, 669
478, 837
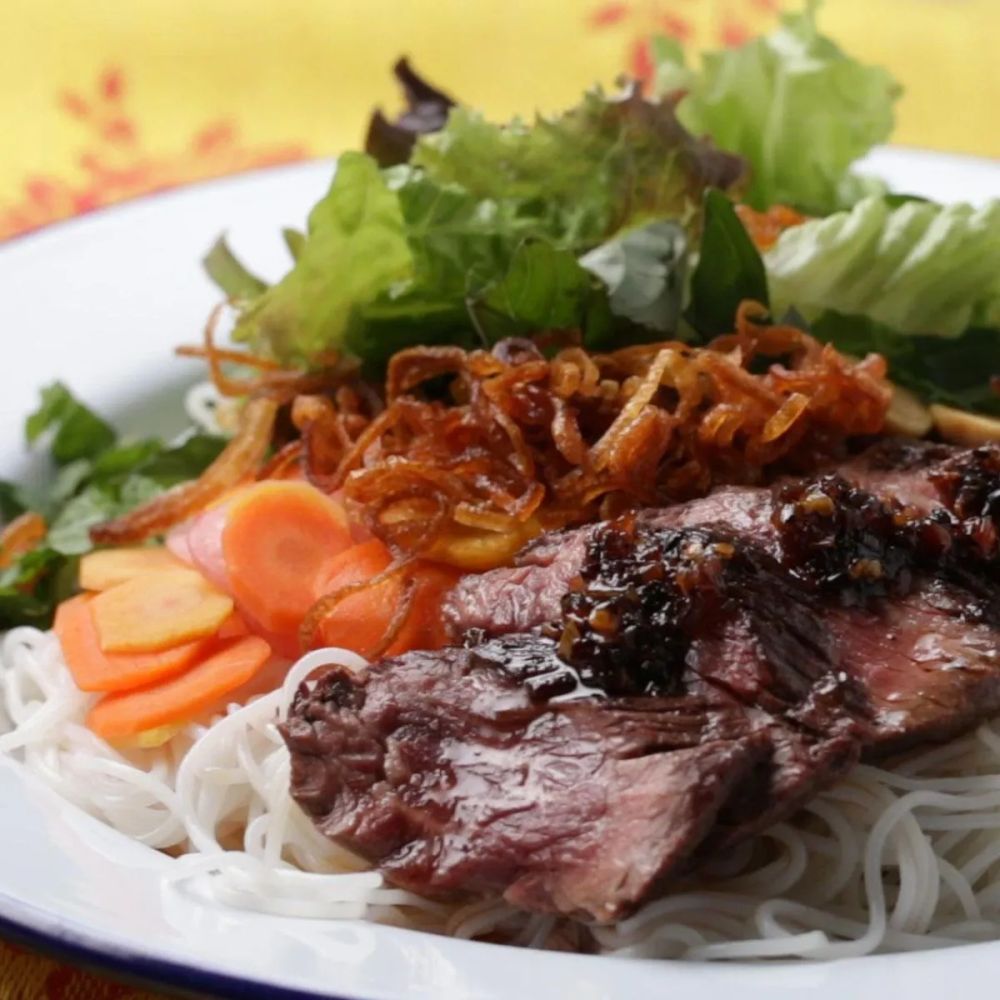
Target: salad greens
792, 103
613, 219
918, 268
97, 476
435, 250
729, 269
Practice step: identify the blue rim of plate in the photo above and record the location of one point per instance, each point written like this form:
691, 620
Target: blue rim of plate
18, 924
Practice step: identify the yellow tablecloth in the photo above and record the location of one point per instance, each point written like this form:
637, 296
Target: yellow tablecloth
106, 99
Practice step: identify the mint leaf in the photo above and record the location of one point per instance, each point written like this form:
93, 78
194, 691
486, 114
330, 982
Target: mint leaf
79, 432
644, 270
729, 270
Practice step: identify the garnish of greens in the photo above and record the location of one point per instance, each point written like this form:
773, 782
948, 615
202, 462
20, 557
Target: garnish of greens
614, 218
97, 476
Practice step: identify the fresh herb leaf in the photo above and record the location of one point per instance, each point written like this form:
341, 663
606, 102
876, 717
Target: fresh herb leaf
12, 501
229, 274
644, 271
544, 289
110, 479
168, 466
79, 432
729, 270
395, 257
69, 533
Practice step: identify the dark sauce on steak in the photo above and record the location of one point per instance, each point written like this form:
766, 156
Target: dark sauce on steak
647, 593
855, 546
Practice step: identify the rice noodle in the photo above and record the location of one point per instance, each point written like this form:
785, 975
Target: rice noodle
887, 860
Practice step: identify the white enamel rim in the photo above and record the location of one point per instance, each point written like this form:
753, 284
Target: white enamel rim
99, 302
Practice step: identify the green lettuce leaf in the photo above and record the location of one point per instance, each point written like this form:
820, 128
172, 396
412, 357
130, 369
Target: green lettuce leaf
229, 274
444, 249
916, 267
355, 250
792, 103
609, 164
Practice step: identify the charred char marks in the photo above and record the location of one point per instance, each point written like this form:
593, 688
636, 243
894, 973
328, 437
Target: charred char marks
724, 659
854, 546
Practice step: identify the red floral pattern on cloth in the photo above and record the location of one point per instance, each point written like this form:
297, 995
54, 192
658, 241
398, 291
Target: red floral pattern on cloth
114, 164
733, 24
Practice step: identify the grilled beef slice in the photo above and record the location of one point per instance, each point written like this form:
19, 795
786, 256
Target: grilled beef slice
578, 768
442, 769
658, 688
914, 609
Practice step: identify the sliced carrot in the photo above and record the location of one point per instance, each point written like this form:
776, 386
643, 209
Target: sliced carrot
109, 567
158, 610
361, 620
234, 627
119, 716
278, 543
95, 670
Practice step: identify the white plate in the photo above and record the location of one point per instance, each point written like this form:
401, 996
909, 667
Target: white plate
99, 303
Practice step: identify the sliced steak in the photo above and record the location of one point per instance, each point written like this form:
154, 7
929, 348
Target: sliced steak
914, 613
658, 688
694, 710
930, 670
442, 769
517, 598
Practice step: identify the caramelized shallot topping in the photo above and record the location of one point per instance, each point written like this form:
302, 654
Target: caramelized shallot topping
477, 451
24, 533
